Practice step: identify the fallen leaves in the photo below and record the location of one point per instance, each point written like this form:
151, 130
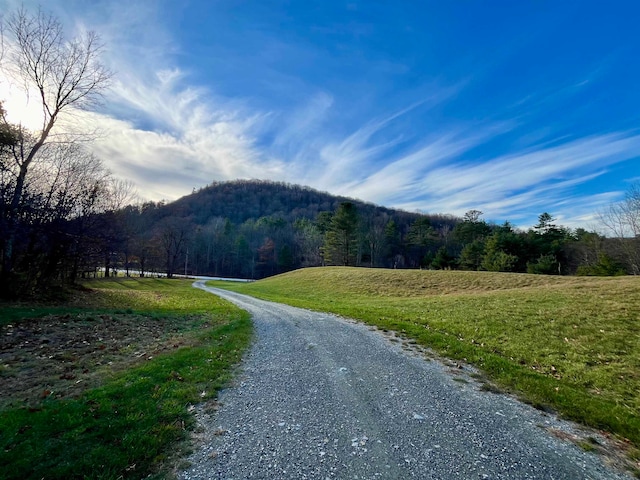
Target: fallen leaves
61, 355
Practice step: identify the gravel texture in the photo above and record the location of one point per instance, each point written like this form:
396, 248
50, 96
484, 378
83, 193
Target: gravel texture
321, 397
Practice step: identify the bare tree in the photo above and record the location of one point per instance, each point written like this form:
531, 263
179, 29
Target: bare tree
71, 187
375, 236
9, 137
173, 235
623, 221
121, 193
65, 74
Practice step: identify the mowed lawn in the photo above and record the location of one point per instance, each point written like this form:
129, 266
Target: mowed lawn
567, 343
104, 384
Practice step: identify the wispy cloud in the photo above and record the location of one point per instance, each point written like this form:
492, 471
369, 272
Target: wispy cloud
157, 127
435, 146
302, 124
524, 181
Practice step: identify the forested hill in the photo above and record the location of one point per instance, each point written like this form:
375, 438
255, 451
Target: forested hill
242, 200
254, 229
259, 228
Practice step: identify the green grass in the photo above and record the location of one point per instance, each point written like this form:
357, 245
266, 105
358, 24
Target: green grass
567, 343
133, 423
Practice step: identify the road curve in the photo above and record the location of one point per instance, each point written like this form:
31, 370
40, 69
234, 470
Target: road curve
321, 397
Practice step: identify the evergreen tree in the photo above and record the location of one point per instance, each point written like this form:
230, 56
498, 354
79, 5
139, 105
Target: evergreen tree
504, 251
547, 246
341, 240
421, 235
471, 228
471, 255
443, 260
392, 242
544, 265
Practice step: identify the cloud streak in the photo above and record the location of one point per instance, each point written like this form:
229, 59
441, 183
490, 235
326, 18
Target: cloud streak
500, 183
432, 152
196, 141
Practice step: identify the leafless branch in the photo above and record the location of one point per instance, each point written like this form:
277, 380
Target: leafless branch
623, 222
65, 73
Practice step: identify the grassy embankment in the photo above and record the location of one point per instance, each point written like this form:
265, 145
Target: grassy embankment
107, 389
567, 343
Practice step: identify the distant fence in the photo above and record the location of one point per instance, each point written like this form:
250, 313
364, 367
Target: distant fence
120, 272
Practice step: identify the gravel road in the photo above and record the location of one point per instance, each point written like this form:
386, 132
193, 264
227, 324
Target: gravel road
322, 397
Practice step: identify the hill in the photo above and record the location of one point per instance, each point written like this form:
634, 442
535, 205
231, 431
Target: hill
242, 200
254, 229
569, 343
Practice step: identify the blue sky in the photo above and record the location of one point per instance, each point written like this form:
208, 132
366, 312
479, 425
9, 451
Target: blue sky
513, 108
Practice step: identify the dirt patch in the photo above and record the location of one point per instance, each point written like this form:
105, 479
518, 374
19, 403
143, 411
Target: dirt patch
60, 356
616, 452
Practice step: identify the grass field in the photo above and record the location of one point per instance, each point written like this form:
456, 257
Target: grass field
567, 343
103, 386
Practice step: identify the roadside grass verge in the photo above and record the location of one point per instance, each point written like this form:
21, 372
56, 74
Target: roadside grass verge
571, 344
118, 370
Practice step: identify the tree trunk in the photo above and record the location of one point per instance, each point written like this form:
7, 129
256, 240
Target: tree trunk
107, 265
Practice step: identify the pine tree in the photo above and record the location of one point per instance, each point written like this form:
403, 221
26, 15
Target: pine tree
341, 239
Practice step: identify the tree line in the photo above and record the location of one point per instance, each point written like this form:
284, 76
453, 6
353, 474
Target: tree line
209, 232
197, 237
63, 216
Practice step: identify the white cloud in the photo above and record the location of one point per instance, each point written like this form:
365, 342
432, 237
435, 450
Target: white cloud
21, 108
304, 122
155, 128
442, 176
169, 135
